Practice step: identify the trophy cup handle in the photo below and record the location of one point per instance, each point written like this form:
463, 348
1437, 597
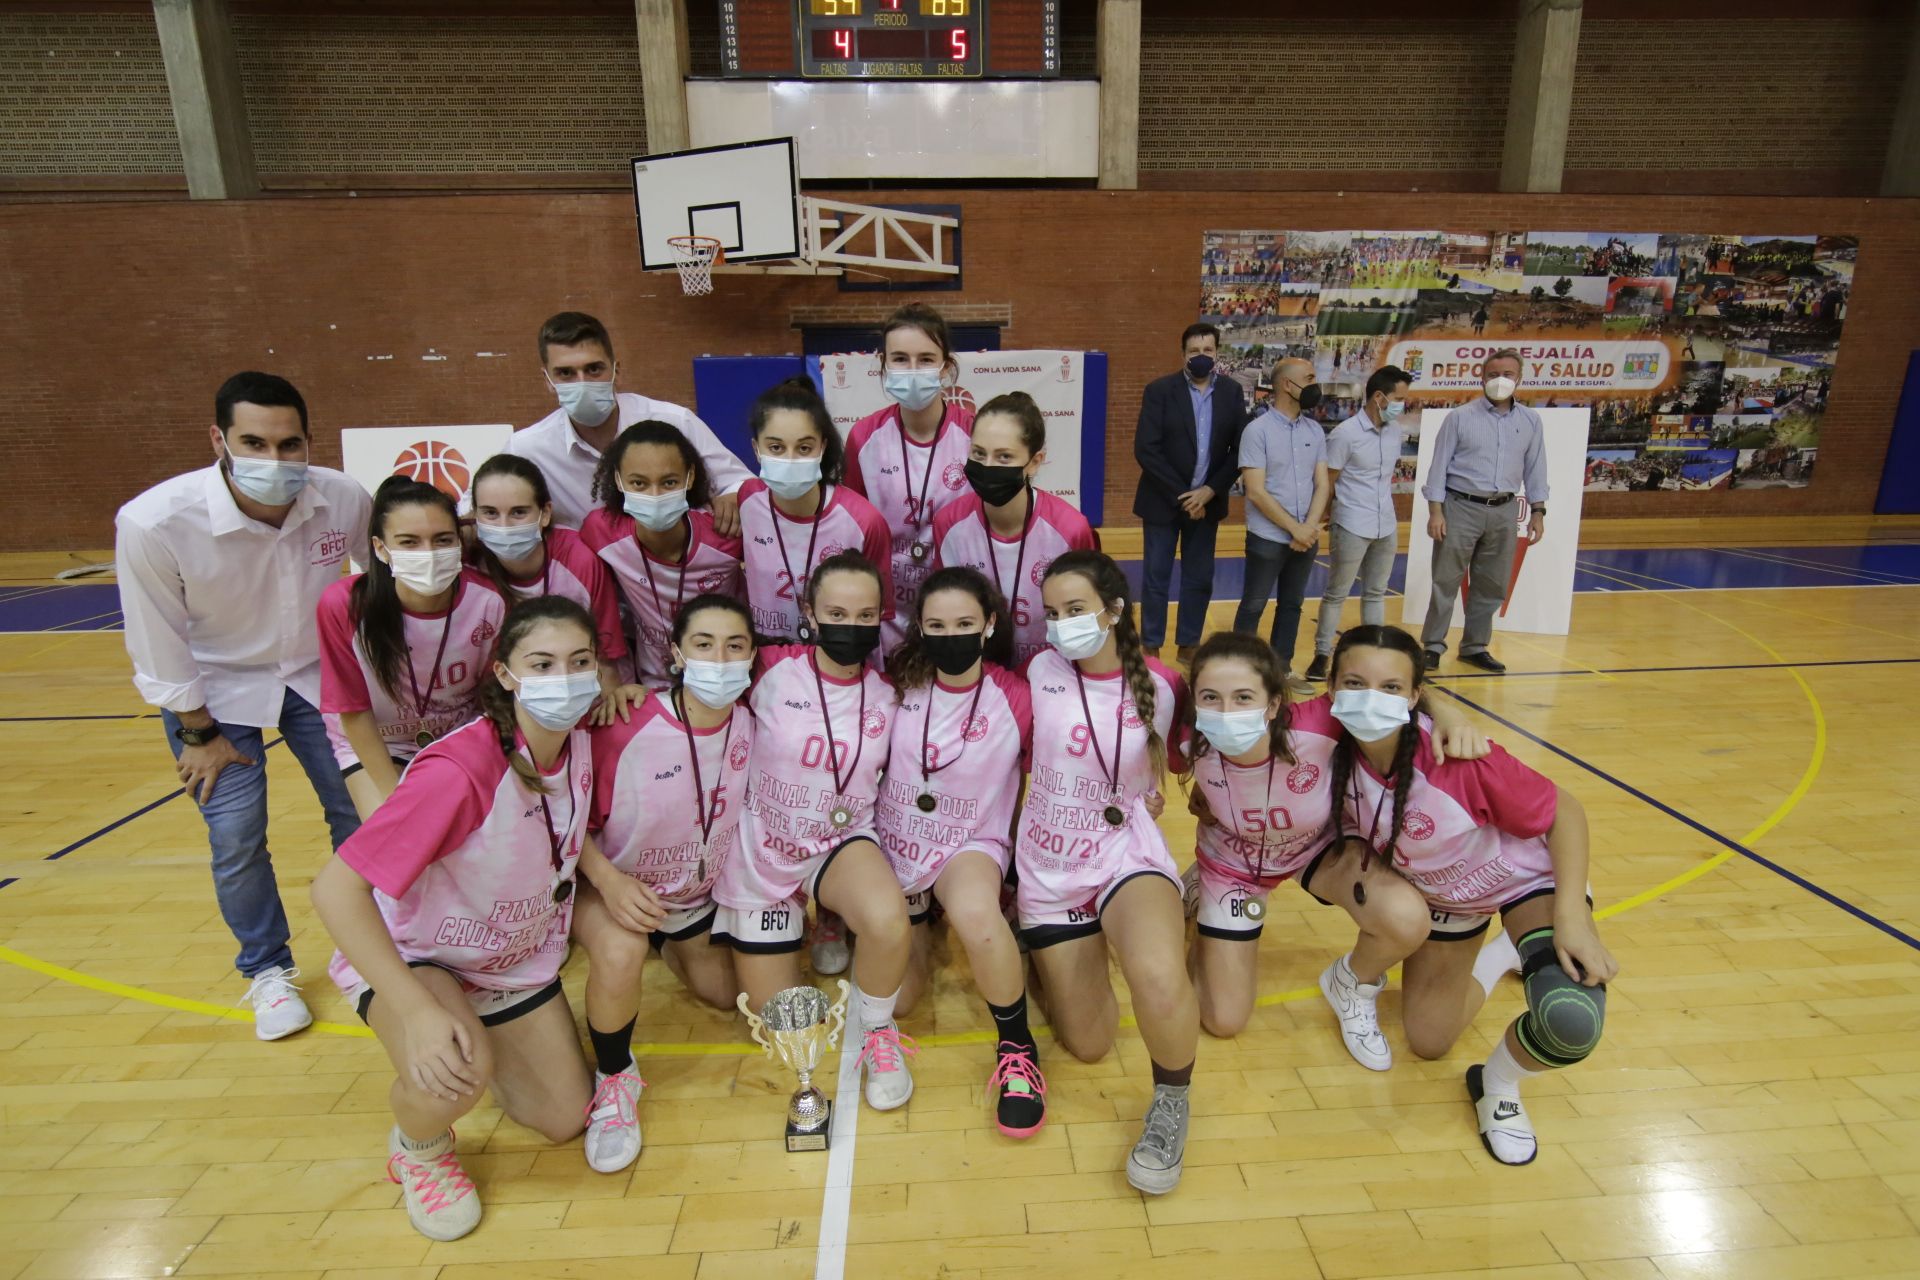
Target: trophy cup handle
837, 1015
754, 1023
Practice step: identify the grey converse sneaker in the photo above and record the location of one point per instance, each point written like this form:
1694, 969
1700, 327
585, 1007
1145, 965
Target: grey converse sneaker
1154, 1165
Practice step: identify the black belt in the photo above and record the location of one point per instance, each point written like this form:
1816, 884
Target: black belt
1498, 500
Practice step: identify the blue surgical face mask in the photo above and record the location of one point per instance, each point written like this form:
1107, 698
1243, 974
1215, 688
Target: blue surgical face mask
717, 684
913, 388
510, 541
1076, 638
657, 511
587, 403
558, 702
1369, 714
790, 477
1232, 733
1393, 410
266, 481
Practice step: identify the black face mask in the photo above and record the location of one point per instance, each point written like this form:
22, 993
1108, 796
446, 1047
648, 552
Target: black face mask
997, 486
952, 655
847, 643
1309, 397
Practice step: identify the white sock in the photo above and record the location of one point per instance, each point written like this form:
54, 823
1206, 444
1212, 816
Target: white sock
873, 1011
1503, 1072
437, 1145
1496, 960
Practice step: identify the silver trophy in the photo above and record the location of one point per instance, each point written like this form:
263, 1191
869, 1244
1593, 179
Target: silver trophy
800, 1026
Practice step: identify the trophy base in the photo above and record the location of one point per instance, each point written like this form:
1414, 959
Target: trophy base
811, 1139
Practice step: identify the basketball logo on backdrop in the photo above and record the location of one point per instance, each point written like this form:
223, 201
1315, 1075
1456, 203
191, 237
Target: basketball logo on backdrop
434, 463
954, 476
873, 724
976, 729
1301, 777
1418, 825
1066, 368
959, 395
840, 374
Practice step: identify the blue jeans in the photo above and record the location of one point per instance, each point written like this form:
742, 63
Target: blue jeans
236, 819
1195, 539
1274, 568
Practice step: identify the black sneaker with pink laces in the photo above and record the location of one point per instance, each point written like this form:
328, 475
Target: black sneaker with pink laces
1021, 1108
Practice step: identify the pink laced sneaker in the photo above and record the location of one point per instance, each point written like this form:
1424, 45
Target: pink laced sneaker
884, 1053
441, 1201
613, 1121
1021, 1108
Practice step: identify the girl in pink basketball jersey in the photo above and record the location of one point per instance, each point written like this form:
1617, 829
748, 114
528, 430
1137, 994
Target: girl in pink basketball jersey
1007, 528
946, 810
403, 646
526, 554
668, 789
451, 907
822, 719
1259, 781
655, 530
909, 459
797, 513
1477, 838
1094, 870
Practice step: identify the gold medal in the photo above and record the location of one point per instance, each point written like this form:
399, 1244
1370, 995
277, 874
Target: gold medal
841, 817
926, 802
423, 738
1115, 817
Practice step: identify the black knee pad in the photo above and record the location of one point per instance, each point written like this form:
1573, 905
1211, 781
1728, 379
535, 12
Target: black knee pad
1563, 1020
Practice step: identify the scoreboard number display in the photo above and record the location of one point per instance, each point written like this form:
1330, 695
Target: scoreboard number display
887, 39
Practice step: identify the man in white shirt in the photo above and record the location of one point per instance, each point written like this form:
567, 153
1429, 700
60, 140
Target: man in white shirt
577, 357
220, 572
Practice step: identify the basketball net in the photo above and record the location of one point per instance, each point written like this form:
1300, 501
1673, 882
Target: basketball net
695, 256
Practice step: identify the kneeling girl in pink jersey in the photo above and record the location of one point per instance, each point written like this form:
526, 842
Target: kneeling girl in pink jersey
1094, 869
1007, 528
822, 719
403, 646
526, 554
655, 530
1259, 780
667, 792
451, 906
959, 750
1478, 838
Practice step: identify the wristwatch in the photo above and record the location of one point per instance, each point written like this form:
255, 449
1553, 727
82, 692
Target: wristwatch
197, 737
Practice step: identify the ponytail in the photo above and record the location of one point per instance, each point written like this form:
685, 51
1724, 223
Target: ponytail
373, 602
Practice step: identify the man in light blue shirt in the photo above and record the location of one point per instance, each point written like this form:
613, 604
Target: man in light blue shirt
1361, 455
1488, 452
1283, 462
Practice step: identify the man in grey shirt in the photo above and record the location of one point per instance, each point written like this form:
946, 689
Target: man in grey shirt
1361, 455
1488, 451
1283, 464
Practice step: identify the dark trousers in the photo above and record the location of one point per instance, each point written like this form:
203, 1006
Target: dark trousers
1274, 568
1195, 544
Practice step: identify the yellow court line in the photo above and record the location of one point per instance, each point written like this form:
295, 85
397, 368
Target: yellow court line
949, 1039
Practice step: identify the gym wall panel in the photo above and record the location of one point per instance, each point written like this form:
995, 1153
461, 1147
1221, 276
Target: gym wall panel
399, 310
84, 94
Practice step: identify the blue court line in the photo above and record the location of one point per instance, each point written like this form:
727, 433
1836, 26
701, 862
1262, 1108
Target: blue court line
118, 823
1792, 877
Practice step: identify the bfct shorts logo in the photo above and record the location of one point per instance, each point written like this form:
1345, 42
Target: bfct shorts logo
1417, 825
874, 723
1301, 778
976, 729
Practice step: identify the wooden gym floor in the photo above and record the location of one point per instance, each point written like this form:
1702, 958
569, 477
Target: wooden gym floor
1748, 759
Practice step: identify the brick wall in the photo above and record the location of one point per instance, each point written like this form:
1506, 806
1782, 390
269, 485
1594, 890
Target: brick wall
105, 390
84, 94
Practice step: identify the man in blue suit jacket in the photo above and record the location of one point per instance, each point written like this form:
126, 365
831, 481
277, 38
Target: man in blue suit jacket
1188, 448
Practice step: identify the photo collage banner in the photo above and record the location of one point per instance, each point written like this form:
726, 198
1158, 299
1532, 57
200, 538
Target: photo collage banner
1705, 359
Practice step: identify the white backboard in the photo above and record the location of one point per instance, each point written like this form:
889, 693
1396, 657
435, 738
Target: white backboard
1541, 601
745, 195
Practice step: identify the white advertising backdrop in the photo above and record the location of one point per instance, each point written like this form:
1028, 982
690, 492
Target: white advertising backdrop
1055, 379
1541, 601
445, 457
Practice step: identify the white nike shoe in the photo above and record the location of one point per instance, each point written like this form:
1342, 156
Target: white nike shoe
1505, 1130
1353, 1003
278, 1010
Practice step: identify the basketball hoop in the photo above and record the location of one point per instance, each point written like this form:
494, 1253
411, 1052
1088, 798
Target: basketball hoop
695, 257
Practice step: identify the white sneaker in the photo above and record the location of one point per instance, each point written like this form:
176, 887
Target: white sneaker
1505, 1130
829, 952
1190, 889
613, 1121
278, 1010
441, 1201
1353, 1003
884, 1054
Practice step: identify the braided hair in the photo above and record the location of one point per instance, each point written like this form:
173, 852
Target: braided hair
1104, 576
1398, 641
496, 700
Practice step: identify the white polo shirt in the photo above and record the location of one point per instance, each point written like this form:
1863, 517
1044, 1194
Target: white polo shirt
220, 607
568, 462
